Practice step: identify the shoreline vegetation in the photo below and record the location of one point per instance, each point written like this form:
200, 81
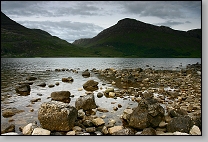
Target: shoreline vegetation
168, 103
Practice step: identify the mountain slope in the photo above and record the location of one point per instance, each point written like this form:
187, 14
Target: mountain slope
19, 41
132, 38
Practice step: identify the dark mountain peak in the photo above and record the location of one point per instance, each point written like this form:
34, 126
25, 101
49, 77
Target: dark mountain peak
130, 21
8, 23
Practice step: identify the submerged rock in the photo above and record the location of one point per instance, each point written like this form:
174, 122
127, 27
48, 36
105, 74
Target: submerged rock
23, 89
30, 78
9, 112
42, 84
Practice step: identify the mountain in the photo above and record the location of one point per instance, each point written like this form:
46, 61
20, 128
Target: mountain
132, 38
19, 41
127, 38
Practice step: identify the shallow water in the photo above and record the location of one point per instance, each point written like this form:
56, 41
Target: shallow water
15, 70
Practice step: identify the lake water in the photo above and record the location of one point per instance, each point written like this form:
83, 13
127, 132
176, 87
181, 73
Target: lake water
15, 70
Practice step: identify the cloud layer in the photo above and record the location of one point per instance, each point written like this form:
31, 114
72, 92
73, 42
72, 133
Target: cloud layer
71, 20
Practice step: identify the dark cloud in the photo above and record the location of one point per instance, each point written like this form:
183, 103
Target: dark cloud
169, 23
163, 9
66, 30
49, 9
188, 22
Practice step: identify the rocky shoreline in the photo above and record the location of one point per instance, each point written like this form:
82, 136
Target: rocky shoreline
168, 103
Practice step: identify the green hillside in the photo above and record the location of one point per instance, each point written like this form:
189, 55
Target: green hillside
132, 38
127, 38
19, 41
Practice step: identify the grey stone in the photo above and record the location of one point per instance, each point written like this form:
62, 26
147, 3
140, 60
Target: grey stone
63, 96
86, 102
181, 124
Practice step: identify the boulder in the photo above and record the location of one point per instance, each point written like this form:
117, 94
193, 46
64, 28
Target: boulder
6, 128
148, 131
23, 89
57, 116
148, 113
139, 118
90, 85
42, 84
181, 124
40, 131
86, 74
63, 96
86, 102
69, 79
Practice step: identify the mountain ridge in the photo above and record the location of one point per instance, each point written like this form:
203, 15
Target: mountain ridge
144, 39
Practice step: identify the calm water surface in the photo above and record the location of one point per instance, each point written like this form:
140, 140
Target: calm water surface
15, 70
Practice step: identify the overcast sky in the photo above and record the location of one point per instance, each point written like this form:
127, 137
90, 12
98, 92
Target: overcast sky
71, 20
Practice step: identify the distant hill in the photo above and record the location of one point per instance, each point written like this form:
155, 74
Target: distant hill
132, 38
19, 41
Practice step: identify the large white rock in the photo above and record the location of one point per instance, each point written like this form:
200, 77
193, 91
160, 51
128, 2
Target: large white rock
27, 130
105, 130
71, 133
41, 131
195, 130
